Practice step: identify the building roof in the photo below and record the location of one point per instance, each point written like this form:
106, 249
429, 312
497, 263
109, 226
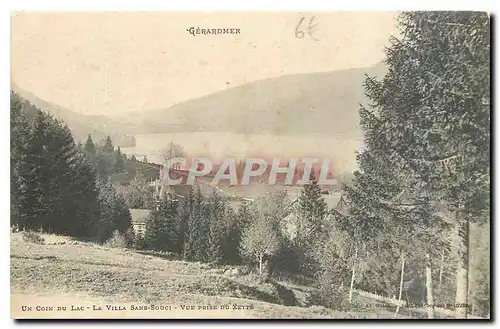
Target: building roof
139, 215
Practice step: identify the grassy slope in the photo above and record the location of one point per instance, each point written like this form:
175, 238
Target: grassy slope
94, 274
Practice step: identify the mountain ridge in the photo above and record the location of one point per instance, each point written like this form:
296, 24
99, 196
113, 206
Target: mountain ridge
99, 126
319, 103
308, 103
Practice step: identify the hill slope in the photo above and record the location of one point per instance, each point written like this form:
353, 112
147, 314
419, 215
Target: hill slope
81, 125
314, 103
83, 274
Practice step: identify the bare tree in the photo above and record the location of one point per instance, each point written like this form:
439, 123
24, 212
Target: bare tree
173, 150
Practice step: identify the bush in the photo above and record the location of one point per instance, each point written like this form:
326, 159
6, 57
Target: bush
118, 240
33, 237
331, 294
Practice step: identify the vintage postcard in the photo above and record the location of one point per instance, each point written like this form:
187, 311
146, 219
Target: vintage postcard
250, 165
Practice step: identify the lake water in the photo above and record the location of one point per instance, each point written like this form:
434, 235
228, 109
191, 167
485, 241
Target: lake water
220, 145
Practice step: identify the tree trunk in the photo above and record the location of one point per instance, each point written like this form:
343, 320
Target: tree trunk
353, 275
461, 297
428, 286
441, 269
400, 283
260, 265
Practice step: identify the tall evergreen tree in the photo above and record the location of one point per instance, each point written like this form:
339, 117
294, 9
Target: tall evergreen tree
50, 150
162, 230
309, 223
119, 165
90, 146
233, 225
108, 145
83, 198
20, 133
215, 210
367, 222
195, 247
114, 213
245, 215
430, 118
186, 208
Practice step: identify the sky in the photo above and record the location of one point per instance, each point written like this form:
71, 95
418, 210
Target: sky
113, 63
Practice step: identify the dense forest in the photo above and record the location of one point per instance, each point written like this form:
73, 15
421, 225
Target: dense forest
58, 186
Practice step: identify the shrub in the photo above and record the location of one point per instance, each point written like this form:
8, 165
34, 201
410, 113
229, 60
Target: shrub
33, 237
331, 294
118, 240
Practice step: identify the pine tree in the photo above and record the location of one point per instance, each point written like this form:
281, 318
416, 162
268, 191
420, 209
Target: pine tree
195, 247
430, 116
20, 133
105, 159
114, 212
233, 226
83, 198
312, 206
105, 164
108, 145
119, 165
57, 183
90, 147
186, 208
362, 223
50, 152
62, 154
162, 230
309, 222
38, 178
230, 237
245, 215
385, 219
215, 210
